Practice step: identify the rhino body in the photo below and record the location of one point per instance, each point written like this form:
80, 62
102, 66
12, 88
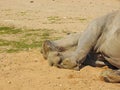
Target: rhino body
98, 44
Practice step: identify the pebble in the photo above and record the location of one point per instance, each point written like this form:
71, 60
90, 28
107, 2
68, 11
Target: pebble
9, 82
58, 77
60, 85
31, 1
35, 60
48, 82
64, 17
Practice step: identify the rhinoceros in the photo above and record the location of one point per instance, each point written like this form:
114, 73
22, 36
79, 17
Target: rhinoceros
98, 45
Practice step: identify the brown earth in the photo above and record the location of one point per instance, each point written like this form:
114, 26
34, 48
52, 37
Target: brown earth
27, 70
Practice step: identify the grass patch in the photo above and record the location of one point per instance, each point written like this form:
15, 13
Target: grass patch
23, 13
9, 30
26, 39
81, 19
12, 50
4, 42
54, 19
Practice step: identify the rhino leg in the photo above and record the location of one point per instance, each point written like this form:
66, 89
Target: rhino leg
85, 43
95, 59
99, 64
59, 45
112, 76
68, 41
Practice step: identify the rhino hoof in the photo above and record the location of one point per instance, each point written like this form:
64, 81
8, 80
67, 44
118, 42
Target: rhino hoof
112, 76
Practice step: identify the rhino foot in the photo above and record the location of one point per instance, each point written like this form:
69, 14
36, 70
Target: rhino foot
112, 76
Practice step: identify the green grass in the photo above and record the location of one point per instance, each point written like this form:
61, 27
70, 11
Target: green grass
82, 19
4, 42
23, 13
53, 19
9, 30
26, 39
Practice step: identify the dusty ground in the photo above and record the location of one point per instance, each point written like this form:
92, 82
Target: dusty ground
27, 70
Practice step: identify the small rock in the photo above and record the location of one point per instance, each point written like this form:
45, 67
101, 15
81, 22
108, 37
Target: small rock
68, 33
36, 60
48, 82
90, 2
4, 65
64, 17
9, 82
58, 77
60, 85
31, 1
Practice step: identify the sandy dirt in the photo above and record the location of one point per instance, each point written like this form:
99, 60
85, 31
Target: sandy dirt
28, 70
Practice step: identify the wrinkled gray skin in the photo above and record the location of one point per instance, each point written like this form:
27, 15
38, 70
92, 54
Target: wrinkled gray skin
99, 42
